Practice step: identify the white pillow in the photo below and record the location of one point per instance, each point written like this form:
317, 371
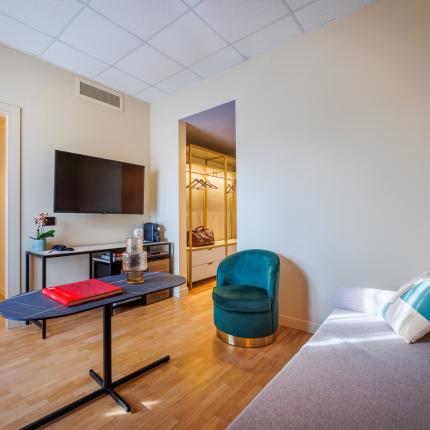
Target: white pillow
408, 312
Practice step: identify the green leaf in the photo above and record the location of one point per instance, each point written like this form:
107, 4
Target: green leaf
49, 233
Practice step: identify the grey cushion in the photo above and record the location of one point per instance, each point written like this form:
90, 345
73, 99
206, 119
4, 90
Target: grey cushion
354, 373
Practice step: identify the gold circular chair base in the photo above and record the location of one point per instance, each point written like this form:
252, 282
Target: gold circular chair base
245, 342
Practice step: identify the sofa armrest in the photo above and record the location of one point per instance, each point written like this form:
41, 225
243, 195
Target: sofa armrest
366, 300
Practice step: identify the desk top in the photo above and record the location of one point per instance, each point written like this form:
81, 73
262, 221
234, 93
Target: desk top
87, 249
36, 306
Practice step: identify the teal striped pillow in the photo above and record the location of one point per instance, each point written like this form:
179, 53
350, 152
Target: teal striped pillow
408, 312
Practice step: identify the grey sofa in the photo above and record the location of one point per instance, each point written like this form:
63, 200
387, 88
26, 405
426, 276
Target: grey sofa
354, 373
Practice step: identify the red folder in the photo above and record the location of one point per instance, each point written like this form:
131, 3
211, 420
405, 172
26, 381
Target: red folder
81, 292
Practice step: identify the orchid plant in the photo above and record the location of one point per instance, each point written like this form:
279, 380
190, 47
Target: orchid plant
41, 221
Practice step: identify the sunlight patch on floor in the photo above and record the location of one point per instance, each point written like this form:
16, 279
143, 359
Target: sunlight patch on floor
149, 404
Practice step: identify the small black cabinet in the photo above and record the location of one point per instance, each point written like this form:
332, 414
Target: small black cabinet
103, 269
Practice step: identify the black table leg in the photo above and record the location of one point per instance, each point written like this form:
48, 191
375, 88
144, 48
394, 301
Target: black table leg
27, 272
27, 276
91, 265
170, 258
110, 274
41, 325
43, 286
107, 386
110, 263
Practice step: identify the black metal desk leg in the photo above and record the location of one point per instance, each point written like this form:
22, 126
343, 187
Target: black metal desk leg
106, 384
27, 276
43, 286
110, 263
170, 258
107, 346
91, 265
27, 272
43, 272
107, 359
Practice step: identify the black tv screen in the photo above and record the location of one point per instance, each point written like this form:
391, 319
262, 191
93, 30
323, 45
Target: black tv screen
97, 185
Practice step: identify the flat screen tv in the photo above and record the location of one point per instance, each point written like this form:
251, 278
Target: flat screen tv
96, 185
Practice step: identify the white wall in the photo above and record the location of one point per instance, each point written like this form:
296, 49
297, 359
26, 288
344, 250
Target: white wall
333, 155
54, 118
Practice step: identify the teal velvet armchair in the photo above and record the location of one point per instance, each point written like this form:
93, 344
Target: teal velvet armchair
246, 298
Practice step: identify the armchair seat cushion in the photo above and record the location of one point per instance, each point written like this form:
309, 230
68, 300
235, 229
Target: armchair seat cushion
242, 298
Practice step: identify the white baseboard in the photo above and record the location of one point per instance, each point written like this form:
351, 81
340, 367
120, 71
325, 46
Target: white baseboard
298, 324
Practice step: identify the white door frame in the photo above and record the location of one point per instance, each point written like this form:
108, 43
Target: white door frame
12, 199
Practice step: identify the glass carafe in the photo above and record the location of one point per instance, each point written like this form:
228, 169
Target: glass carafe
134, 261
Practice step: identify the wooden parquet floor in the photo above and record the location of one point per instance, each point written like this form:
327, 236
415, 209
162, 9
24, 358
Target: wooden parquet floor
205, 385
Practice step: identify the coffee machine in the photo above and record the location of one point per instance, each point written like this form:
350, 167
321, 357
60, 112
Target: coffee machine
152, 232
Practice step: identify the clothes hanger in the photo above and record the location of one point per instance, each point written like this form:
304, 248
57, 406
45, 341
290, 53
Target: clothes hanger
231, 188
194, 184
202, 184
210, 185
198, 184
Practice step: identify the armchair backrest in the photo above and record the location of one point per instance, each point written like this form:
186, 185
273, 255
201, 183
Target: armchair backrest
253, 267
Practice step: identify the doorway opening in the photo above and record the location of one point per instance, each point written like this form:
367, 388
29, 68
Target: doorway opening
211, 186
10, 205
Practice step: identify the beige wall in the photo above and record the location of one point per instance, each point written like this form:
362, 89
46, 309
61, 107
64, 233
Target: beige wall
333, 154
2, 202
54, 118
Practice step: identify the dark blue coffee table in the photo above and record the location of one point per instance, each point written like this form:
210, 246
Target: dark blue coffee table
36, 306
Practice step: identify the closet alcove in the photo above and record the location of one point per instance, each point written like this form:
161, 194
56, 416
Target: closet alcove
211, 186
211, 203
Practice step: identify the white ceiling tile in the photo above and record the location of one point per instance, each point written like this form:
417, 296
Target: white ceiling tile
148, 64
142, 17
238, 18
323, 11
178, 81
269, 37
100, 33
98, 37
296, 4
188, 40
120, 81
21, 37
49, 16
192, 2
71, 59
150, 95
218, 62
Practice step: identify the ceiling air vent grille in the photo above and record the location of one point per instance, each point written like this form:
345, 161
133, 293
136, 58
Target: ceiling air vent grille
100, 95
